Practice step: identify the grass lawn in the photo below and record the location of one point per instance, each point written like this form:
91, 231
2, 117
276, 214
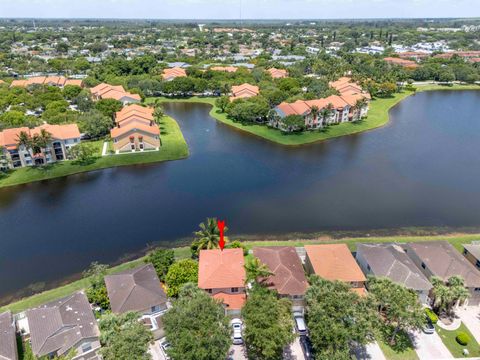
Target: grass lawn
377, 116
173, 147
184, 252
448, 338
408, 353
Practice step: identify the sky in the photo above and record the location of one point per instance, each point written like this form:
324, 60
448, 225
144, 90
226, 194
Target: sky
231, 9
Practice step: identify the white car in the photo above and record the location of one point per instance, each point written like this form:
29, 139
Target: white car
164, 346
237, 325
300, 323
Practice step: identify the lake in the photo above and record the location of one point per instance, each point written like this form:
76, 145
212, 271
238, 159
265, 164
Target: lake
422, 169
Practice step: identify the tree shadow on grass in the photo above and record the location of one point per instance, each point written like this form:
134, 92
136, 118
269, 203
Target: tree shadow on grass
85, 162
402, 343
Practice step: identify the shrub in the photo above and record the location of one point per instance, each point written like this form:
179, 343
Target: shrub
462, 338
431, 315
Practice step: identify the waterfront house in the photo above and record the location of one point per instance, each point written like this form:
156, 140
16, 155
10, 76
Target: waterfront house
117, 92
244, 91
172, 73
222, 275
335, 262
288, 278
472, 253
63, 137
277, 73
135, 130
138, 290
440, 258
391, 261
56, 328
59, 81
8, 337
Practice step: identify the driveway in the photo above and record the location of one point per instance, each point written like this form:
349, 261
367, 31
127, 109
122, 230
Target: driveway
429, 346
294, 351
470, 316
369, 352
155, 352
237, 352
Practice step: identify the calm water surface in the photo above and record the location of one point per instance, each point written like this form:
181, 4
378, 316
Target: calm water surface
423, 169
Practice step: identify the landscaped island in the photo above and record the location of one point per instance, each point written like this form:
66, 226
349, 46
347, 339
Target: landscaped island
377, 117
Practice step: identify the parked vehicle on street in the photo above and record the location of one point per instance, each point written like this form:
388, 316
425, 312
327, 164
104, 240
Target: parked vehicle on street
164, 346
428, 328
300, 325
307, 347
237, 325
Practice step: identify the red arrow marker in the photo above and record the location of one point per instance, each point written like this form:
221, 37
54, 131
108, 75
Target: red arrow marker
221, 227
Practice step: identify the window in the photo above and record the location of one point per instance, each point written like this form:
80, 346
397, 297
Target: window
209, 291
368, 267
423, 265
86, 347
477, 289
234, 290
465, 252
155, 308
477, 264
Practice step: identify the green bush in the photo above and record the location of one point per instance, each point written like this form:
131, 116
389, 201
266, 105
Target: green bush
463, 338
431, 315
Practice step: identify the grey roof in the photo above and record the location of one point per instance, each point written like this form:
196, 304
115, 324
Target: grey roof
8, 342
391, 261
444, 261
473, 249
60, 325
135, 290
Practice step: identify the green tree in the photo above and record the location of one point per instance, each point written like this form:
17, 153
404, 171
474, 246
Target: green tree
158, 112
447, 294
180, 273
337, 318
256, 270
13, 119
196, 326
208, 237
293, 123
161, 259
71, 91
97, 291
95, 123
123, 337
268, 324
82, 152
397, 306
108, 107
222, 103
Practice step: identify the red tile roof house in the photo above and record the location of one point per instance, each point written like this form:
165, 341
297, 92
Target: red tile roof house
63, 138
117, 92
59, 81
244, 91
62, 325
222, 275
135, 130
409, 64
335, 262
170, 74
277, 73
288, 277
138, 290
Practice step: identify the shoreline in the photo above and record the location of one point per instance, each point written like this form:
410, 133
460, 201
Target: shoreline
175, 148
351, 238
378, 116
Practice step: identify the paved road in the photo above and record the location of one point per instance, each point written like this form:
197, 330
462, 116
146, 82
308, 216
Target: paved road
294, 351
237, 352
470, 316
429, 346
370, 352
155, 351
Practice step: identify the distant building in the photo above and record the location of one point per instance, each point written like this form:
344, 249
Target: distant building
63, 325
59, 81
222, 275
229, 69
335, 262
135, 130
277, 73
170, 74
15, 156
244, 91
409, 64
117, 92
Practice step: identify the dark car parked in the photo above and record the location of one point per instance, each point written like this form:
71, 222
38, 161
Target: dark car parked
307, 347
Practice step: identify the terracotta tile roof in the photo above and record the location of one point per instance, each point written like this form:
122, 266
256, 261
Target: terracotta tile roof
173, 73
336, 101
75, 82
401, 62
117, 92
134, 126
9, 137
334, 262
221, 269
289, 275
19, 83
299, 107
46, 80
232, 301
135, 289
244, 91
278, 73
229, 69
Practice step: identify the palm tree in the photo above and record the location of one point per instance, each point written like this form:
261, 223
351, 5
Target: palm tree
440, 294
158, 112
314, 111
459, 292
25, 140
41, 141
256, 270
208, 237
